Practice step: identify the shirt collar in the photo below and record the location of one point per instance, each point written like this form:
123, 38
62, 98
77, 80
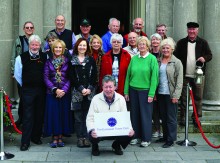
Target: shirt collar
59, 33
145, 55
33, 55
109, 102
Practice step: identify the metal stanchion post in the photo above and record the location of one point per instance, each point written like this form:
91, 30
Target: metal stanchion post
3, 155
186, 142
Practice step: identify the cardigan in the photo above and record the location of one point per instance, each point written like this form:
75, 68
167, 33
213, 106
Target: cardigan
202, 50
106, 68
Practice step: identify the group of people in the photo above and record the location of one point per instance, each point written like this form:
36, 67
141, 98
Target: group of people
87, 74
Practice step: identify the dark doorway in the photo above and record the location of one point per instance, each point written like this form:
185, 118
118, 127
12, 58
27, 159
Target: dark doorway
99, 12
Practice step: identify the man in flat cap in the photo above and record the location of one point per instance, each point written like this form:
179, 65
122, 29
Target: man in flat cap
85, 28
193, 51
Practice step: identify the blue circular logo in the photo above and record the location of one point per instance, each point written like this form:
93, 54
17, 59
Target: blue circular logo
112, 122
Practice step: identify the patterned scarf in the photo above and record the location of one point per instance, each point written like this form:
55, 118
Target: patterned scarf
57, 63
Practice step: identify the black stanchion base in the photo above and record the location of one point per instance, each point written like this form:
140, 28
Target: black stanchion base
186, 143
6, 156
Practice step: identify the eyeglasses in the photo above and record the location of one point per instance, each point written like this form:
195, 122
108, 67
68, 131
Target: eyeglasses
29, 27
114, 42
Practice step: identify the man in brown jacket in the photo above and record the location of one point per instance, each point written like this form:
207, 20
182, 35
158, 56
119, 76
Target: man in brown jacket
193, 51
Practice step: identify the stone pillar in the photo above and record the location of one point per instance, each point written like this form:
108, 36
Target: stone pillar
183, 12
165, 15
6, 28
32, 10
64, 8
212, 35
49, 15
151, 16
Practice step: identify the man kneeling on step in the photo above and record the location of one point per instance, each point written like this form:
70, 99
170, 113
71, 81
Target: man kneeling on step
107, 101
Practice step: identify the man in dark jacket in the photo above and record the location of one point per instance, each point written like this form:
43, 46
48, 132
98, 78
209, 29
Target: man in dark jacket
193, 51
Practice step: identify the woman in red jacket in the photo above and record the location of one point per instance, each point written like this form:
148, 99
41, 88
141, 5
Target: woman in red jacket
115, 62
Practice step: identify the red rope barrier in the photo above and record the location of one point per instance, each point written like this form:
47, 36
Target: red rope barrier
197, 121
10, 114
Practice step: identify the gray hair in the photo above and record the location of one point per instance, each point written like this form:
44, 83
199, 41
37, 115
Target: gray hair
108, 78
135, 20
34, 38
117, 37
156, 35
112, 19
168, 41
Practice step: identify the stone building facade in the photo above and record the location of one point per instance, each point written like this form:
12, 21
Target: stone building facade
174, 13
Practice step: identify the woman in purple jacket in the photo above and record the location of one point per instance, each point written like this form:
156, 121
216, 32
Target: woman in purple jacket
57, 115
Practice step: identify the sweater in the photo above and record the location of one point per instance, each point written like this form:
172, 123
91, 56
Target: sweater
66, 36
32, 72
142, 74
99, 105
106, 68
202, 50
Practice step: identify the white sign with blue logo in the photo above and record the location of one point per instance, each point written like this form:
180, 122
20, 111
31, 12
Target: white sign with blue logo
112, 123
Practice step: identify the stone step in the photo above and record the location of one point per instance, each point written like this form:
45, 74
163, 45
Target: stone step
207, 127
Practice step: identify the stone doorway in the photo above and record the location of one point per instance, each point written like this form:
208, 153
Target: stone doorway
99, 12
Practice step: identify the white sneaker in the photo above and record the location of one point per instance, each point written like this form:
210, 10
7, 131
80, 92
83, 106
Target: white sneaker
135, 141
145, 144
156, 134
161, 135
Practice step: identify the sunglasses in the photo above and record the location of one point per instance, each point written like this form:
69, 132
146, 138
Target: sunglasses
29, 27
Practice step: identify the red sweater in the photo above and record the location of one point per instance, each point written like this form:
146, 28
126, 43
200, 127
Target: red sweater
106, 68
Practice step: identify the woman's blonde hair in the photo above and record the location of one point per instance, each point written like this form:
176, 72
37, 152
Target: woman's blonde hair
145, 39
56, 42
168, 41
95, 36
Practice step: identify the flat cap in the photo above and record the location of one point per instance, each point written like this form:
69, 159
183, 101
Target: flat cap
192, 25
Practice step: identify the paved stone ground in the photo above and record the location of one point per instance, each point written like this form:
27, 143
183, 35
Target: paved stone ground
201, 153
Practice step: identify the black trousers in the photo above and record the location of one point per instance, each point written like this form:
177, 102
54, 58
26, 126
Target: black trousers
20, 107
121, 140
169, 117
33, 113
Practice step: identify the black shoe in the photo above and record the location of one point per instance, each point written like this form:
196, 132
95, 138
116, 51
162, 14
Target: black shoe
95, 150
181, 123
160, 140
38, 142
117, 148
168, 144
18, 122
24, 147
195, 123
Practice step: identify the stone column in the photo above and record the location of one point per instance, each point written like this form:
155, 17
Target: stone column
6, 29
64, 8
212, 35
183, 12
151, 16
31, 10
49, 15
165, 15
